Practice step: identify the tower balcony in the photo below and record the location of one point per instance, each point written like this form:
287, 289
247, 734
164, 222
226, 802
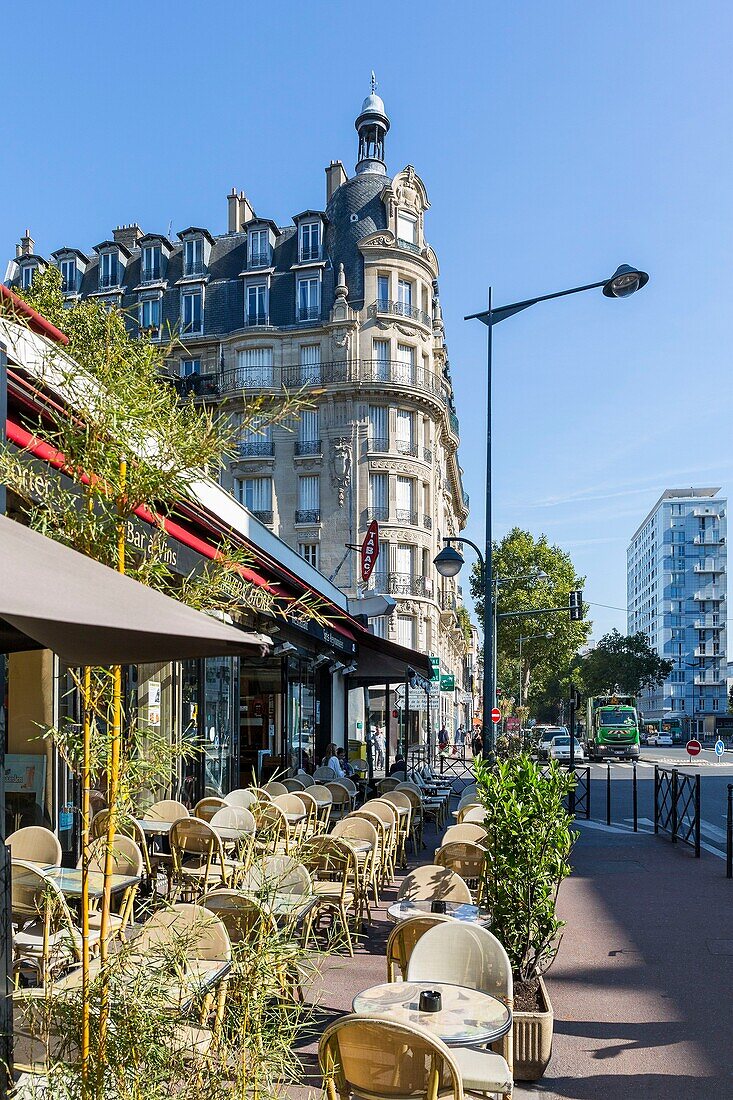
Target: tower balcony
383, 307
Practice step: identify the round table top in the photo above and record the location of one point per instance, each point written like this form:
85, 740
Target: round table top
456, 910
467, 1016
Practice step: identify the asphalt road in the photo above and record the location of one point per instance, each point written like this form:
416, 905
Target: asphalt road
714, 779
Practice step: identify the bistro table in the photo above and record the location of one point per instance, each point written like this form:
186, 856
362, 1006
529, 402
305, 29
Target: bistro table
226, 833
467, 1016
68, 880
455, 910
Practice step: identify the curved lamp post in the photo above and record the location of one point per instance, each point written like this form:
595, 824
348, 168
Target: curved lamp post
624, 282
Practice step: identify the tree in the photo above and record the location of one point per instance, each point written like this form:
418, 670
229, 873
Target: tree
517, 560
623, 663
730, 700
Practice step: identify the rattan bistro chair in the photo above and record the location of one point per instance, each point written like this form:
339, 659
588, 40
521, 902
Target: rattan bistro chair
322, 795
472, 815
205, 808
198, 858
46, 937
402, 940
470, 861
468, 832
355, 827
401, 801
471, 956
275, 788
340, 800
379, 1059
433, 883
127, 859
36, 845
243, 797
334, 872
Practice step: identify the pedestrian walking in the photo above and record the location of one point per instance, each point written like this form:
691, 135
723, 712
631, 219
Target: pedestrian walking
477, 744
443, 739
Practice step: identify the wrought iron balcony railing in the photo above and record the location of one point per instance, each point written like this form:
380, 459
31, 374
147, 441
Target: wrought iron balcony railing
308, 515
379, 443
408, 584
400, 309
405, 515
381, 515
263, 516
427, 522
257, 317
308, 447
407, 447
259, 257
309, 313
257, 448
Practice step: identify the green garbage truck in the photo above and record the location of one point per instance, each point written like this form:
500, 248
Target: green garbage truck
612, 728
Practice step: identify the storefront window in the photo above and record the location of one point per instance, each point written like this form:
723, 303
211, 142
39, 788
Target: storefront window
260, 718
303, 713
218, 724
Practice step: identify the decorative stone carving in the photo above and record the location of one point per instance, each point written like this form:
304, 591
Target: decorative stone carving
341, 467
341, 338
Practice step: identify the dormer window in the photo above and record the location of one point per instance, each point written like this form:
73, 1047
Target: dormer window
151, 263
406, 229
68, 276
259, 248
26, 275
109, 270
192, 312
193, 256
310, 241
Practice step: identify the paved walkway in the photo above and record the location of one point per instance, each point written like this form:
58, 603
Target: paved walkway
642, 987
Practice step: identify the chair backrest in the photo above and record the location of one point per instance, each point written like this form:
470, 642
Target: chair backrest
205, 808
433, 883
290, 803
192, 837
278, 875
321, 792
400, 775
402, 940
360, 766
397, 798
293, 785
239, 914
473, 815
33, 892
304, 778
310, 803
233, 817
463, 954
387, 784
350, 785
467, 859
410, 791
340, 795
270, 821
124, 826
127, 858
383, 810
467, 831
370, 1058
35, 844
358, 828
274, 788
204, 934
167, 810
328, 857
324, 773
244, 797
468, 799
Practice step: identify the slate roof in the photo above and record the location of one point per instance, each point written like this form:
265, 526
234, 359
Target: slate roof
224, 293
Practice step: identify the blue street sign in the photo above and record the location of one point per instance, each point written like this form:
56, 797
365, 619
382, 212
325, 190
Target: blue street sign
719, 747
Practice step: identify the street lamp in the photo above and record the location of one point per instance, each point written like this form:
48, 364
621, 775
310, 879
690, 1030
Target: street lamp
625, 281
527, 638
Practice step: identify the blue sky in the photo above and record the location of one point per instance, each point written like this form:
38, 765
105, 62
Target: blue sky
556, 141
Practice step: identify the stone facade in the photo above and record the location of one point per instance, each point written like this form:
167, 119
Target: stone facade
342, 307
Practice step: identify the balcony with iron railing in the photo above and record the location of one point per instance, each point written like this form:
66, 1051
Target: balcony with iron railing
427, 522
256, 448
197, 385
427, 454
406, 515
109, 282
406, 584
405, 310
150, 274
259, 257
310, 255
264, 516
191, 271
256, 317
308, 515
308, 447
381, 515
447, 601
409, 246
378, 443
309, 313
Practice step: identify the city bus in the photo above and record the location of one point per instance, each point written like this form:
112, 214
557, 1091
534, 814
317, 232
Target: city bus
613, 728
669, 727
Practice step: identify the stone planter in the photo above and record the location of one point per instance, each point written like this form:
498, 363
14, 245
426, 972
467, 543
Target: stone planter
533, 1039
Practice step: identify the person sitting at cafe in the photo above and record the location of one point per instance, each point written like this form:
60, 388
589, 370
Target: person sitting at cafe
331, 760
345, 765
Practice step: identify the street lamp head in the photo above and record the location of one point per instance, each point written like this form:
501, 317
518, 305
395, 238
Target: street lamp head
625, 281
448, 562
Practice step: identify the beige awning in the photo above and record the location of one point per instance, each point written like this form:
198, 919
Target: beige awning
383, 662
52, 597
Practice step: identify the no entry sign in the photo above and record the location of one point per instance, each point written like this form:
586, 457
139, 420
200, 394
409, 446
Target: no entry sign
694, 747
496, 715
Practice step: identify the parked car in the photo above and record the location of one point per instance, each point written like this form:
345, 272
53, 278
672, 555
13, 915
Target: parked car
664, 740
653, 739
546, 735
560, 749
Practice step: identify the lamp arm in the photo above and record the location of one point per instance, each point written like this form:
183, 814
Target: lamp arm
500, 313
459, 538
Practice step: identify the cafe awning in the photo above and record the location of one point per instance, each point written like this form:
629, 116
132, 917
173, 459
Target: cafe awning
52, 597
383, 662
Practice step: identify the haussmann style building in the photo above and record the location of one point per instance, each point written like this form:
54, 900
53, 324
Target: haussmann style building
341, 304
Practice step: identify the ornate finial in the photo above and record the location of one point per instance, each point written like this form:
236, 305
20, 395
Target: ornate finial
374, 82
342, 290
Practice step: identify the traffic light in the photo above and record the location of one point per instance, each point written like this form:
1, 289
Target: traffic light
576, 606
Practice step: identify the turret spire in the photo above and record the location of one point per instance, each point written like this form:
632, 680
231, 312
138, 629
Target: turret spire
372, 126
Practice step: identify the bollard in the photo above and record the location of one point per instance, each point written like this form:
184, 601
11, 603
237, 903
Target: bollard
635, 797
697, 816
587, 792
656, 798
729, 834
674, 804
608, 793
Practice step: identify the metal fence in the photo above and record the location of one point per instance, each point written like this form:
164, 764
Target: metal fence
677, 806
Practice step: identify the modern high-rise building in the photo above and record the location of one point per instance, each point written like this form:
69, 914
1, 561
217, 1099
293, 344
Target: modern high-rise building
676, 595
341, 305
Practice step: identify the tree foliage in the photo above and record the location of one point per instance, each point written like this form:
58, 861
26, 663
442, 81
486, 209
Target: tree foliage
517, 560
624, 663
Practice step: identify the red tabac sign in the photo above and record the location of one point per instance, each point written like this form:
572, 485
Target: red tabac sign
369, 550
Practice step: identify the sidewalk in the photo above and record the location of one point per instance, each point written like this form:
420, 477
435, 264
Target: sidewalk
643, 984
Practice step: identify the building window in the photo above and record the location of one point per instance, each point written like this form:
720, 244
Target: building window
309, 552
405, 507
378, 428
405, 440
310, 241
259, 248
406, 631
404, 298
309, 299
309, 435
378, 626
309, 499
405, 367
257, 304
151, 263
150, 315
380, 362
256, 438
109, 270
193, 256
255, 493
379, 497
310, 364
254, 369
26, 275
406, 229
188, 367
383, 292
192, 313
68, 276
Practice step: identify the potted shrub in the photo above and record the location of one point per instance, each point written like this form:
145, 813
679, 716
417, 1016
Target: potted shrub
530, 841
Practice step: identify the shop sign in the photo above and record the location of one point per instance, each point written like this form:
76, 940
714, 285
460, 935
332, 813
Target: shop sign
25, 775
369, 550
153, 703
435, 666
325, 634
447, 682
